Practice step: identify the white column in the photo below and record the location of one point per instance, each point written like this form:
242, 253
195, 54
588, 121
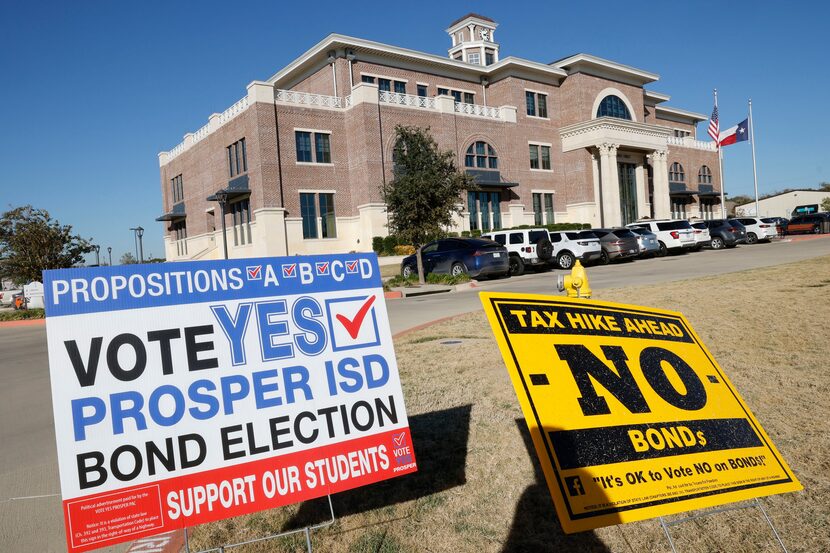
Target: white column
662, 206
597, 222
610, 183
642, 190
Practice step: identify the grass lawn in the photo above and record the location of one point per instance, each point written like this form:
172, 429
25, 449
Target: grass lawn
480, 489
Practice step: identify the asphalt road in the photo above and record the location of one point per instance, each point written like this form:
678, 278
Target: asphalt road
407, 313
30, 506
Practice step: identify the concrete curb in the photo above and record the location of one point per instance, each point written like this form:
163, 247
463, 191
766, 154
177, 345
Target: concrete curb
403, 333
22, 322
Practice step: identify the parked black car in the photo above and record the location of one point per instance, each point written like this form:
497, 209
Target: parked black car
740, 230
617, 243
454, 256
812, 223
779, 222
722, 234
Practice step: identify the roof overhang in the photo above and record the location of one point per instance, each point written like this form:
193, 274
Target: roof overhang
651, 98
679, 115
471, 18
592, 65
318, 55
628, 134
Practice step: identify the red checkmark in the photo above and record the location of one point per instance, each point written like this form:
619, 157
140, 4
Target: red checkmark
352, 326
288, 269
253, 272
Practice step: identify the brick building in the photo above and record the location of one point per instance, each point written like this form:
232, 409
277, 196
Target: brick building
299, 162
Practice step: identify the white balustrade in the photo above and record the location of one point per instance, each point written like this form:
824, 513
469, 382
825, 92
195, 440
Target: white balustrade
477, 110
689, 143
201, 133
409, 100
233, 111
308, 99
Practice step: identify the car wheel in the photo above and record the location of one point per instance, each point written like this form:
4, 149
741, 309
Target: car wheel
457, 269
603, 258
717, 243
544, 249
565, 260
816, 229
407, 271
663, 251
517, 266
751, 238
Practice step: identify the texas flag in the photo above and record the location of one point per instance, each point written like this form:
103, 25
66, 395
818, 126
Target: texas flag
738, 133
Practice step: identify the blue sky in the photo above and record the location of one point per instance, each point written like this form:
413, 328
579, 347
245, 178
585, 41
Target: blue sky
91, 91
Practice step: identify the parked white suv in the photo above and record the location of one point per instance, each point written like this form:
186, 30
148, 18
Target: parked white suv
757, 230
672, 234
570, 245
524, 247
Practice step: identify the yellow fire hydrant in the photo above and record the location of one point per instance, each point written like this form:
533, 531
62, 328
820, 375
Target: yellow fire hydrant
576, 284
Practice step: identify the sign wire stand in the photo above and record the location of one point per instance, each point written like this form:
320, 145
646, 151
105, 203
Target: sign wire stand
306, 530
755, 503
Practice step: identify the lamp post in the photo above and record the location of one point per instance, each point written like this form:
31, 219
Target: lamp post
222, 198
109, 252
139, 247
97, 258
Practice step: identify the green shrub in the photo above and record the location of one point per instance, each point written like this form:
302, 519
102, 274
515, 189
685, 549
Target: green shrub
475, 233
389, 244
465, 233
22, 315
377, 244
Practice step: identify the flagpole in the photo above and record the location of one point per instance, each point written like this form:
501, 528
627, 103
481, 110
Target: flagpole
720, 165
754, 170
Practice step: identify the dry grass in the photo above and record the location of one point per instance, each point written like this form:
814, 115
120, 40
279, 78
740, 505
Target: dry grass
479, 489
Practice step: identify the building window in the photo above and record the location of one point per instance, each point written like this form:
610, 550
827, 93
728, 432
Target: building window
179, 228
178, 189
241, 214
469, 98
367, 79
237, 158
309, 214
443, 91
474, 58
400, 87
542, 208
613, 106
320, 153
481, 155
704, 176
540, 157
308, 211
484, 210
536, 104
384, 85
676, 174
422, 90
489, 58
456, 94
680, 133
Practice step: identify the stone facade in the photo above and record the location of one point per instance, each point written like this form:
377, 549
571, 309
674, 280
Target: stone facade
604, 169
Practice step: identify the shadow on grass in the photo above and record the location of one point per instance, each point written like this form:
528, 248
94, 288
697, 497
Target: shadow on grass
535, 524
440, 441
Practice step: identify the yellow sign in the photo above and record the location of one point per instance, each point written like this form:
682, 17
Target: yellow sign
630, 415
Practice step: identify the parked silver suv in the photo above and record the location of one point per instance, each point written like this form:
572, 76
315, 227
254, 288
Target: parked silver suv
525, 247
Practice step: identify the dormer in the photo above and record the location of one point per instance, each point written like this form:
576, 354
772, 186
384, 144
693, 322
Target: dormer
472, 40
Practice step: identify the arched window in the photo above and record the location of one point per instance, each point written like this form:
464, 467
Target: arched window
481, 155
676, 173
704, 176
613, 106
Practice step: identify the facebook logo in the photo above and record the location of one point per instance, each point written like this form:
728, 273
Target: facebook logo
574, 485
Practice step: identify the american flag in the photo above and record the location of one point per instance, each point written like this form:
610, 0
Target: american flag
714, 129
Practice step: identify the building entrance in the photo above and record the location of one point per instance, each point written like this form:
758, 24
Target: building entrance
628, 192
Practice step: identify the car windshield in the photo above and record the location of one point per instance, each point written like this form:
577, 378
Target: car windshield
624, 233
481, 243
769, 220
698, 225
735, 223
674, 225
587, 234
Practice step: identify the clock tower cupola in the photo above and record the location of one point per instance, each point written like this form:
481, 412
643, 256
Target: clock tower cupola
473, 41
